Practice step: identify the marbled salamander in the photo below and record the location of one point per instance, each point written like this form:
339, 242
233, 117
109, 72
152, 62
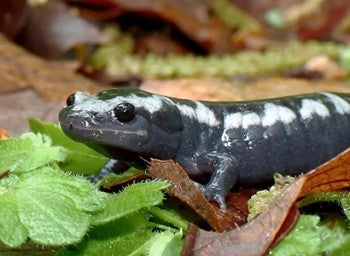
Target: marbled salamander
241, 143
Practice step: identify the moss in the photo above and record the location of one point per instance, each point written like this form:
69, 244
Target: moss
276, 60
261, 200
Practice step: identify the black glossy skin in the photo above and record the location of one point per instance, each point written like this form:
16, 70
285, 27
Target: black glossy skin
254, 149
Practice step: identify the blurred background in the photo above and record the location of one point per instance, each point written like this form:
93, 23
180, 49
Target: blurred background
203, 49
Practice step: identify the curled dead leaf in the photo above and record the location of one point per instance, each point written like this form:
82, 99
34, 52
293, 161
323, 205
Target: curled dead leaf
254, 238
333, 175
186, 190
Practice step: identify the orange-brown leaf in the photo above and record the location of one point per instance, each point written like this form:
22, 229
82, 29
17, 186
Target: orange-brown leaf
254, 238
184, 189
333, 175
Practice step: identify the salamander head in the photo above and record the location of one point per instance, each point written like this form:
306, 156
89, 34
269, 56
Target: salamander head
123, 119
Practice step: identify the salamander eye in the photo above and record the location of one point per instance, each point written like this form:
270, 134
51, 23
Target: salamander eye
124, 112
70, 100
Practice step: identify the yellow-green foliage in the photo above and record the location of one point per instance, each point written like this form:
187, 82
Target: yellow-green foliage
233, 16
247, 63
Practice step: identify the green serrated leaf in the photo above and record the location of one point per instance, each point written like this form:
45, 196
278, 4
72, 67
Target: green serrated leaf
167, 244
342, 197
311, 237
82, 192
80, 158
48, 206
345, 203
51, 219
12, 232
161, 244
120, 237
169, 216
342, 250
130, 200
28, 152
114, 177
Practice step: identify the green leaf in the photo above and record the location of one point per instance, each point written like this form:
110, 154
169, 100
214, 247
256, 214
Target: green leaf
169, 216
342, 197
80, 158
130, 235
28, 152
162, 244
130, 200
165, 244
341, 250
12, 232
345, 203
311, 237
116, 177
48, 206
120, 237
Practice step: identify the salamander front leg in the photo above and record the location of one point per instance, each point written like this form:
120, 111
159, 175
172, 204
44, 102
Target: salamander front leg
112, 166
222, 180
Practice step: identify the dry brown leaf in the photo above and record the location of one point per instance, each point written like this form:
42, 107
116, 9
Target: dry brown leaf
33, 87
53, 28
52, 80
207, 30
253, 238
18, 106
333, 175
184, 189
215, 89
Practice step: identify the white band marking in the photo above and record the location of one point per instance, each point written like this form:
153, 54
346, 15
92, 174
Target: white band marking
341, 106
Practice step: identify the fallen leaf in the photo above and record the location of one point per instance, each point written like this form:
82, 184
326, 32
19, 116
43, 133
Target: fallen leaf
52, 80
333, 175
206, 29
216, 89
33, 87
53, 28
253, 238
158, 44
20, 105
326, 66
184, 189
